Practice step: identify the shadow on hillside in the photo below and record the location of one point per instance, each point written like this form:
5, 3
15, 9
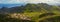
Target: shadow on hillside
53, 19
3, 18
46, 14
14, 20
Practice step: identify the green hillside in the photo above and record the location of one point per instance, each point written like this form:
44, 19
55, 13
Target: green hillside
41, 12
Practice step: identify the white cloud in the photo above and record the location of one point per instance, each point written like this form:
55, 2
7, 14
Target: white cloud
0, 2
30, 1
41, 1
45, 1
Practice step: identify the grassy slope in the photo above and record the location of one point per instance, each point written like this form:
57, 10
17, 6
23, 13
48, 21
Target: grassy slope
35, 15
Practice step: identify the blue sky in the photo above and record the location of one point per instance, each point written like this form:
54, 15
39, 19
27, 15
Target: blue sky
29, 1
12, 1
53, 2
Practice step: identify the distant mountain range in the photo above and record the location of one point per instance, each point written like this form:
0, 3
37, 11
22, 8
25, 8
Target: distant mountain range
10, 5
41, 7
13, 5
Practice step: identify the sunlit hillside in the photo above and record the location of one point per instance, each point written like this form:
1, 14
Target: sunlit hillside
41, 12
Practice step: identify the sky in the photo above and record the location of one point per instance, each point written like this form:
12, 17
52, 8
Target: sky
52, 2
29, 1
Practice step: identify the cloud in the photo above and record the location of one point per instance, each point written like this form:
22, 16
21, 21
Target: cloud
52, 2
42, 1
12, 1
0, 2
29, 1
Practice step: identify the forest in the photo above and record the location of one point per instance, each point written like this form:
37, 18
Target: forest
40, 12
